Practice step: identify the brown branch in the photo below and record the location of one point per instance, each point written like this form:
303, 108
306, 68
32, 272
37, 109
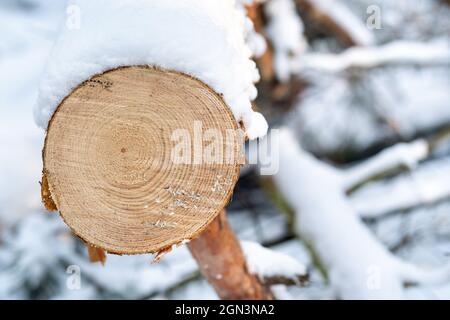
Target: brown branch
300, 280
221, 261
317, 15
265, 62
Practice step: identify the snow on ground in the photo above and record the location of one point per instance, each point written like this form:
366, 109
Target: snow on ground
41, 261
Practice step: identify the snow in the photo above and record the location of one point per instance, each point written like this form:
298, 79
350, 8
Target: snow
426, 185
36, 248
399, 19
48, 253
401, 154
346, 19
381, 97
380, 89
255, 41
398, 52
24, 47
266, 263
285, 31
358, 265
202, 38
271, 226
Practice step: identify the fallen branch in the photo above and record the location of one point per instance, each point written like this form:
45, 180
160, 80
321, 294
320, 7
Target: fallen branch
419, 190
425, 187
394, 53
265, 61
338, 20
400, 155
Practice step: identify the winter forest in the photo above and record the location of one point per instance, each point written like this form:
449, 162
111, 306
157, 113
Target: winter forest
353, 94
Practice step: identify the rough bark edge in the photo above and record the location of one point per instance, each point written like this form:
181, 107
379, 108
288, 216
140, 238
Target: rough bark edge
46, 195
96, 254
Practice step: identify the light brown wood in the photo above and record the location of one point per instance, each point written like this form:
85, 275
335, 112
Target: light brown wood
222, 262
108, 167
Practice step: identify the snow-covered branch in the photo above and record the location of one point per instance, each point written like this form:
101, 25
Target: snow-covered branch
359, 266
413, 275
427, 185
273, 267
338, 19
285, 32
403, 154
394, 53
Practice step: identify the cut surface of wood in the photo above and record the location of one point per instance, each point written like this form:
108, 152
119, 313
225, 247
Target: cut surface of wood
222, 262
138, 159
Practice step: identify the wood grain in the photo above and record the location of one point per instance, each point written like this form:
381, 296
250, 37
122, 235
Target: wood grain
108, 167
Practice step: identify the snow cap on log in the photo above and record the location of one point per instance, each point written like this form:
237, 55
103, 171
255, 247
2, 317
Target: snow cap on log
201, 38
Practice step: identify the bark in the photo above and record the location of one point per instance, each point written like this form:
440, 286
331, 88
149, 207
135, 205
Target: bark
324, 19
265, 62
221, 261
96, 254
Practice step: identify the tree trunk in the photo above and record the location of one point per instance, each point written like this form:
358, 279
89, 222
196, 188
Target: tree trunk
222, 262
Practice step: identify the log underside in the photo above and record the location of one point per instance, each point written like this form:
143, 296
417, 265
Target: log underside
109, 167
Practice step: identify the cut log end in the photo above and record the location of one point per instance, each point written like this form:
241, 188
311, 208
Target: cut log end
129, 159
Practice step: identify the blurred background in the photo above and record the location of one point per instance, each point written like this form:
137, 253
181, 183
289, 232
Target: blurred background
351, 78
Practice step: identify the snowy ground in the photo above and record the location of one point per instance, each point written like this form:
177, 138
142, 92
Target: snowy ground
408, 212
